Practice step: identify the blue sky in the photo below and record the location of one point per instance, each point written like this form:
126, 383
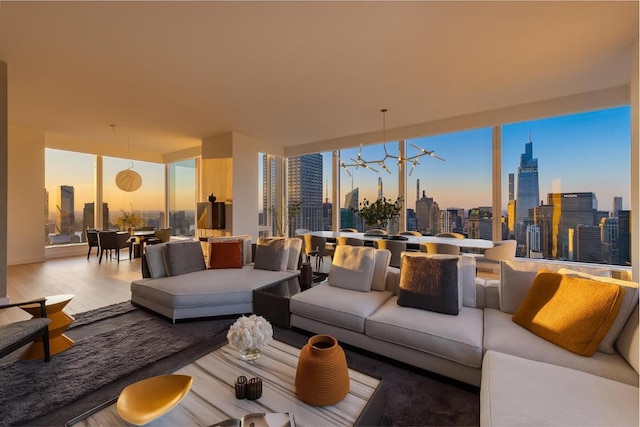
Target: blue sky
581, 152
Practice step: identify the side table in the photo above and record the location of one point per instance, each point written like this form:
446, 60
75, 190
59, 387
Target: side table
272, 301
60, 321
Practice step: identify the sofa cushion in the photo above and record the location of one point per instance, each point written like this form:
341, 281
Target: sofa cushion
271, 254
295, 247
503, 335
382, 258
352, 267
430, 284
183, 257
628, 343
517, 391
572, 312
516, 277
155, 260
629, 302
336, 306
246, 245
225, 254
466, 275
457, 338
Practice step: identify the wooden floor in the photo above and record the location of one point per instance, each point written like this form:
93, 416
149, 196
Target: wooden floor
93, 285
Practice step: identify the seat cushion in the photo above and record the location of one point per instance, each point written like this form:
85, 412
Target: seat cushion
12, 333
457, 338
520, 392
503, 335
207, 288
337, 306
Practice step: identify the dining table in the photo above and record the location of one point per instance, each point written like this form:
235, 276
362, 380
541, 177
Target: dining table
412, 242
141, 237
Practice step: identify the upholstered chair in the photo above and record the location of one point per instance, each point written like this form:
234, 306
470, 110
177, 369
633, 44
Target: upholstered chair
351, 241
348, 230
440, 248
490, 260
395, 247
411, 233
452, 235
112, 240
92, 241
17, 334
317, 247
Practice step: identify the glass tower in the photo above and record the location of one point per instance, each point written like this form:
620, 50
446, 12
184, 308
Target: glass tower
528, 196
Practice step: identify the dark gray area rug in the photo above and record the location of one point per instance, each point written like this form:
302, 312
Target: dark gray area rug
118, 345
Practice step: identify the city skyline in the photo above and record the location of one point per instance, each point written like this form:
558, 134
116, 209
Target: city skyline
464, 179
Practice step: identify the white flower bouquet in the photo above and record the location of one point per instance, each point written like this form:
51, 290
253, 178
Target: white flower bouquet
249, 335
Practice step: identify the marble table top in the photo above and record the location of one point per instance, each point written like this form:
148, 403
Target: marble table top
212, 396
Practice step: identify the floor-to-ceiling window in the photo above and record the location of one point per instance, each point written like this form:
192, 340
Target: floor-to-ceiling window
182, 197
566, 186
148, 201
69, 192
358, 184
451, 190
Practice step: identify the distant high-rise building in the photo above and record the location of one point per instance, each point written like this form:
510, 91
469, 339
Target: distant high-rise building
427, 215
511, 187
617, 206
609, 240
305, 186
411, 220
456, 220
569, 211
66, 222
380, 191
624, 237
588, 244
528, 191
349, 218
480, 223
533, 241
544, 220
88, 216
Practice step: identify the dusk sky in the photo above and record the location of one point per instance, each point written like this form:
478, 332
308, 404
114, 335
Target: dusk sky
582, 152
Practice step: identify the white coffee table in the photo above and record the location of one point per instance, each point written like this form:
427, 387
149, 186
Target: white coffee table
212, 396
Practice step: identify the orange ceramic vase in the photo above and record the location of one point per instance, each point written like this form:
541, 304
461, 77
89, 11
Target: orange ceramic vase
322, 376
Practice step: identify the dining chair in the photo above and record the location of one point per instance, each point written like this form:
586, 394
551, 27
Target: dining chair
410, 233
92, 241
453, 235
440, 248
351, 241
112, 240
159, 236
395, 247
348, 230
317, 247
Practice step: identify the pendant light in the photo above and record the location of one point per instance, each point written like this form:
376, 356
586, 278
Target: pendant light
127, 180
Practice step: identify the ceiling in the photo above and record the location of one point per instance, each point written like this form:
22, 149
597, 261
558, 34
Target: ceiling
288, 73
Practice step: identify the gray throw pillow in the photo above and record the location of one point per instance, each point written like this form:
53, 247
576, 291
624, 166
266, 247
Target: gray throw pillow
272, 255
429, 284
183, 257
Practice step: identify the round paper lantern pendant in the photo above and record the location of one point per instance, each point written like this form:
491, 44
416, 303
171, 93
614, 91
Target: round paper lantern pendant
128, 180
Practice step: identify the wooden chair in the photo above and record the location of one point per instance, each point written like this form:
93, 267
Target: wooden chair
17, 334
112, 240
92, 241
317, 247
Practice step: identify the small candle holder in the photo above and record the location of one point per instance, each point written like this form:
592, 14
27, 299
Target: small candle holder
254, 389
241, 387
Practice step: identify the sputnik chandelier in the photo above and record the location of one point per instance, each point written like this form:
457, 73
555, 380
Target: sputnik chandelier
366, 164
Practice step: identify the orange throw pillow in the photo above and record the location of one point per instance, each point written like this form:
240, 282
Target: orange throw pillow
225, 254
572, 312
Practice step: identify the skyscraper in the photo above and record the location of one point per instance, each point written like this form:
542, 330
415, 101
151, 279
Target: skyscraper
528, 191
569, 211
305, 186
511, 209
427, 215
66, 216
349, 217
617, 206
380, 191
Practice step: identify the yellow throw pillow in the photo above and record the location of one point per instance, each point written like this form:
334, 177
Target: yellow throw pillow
572, 312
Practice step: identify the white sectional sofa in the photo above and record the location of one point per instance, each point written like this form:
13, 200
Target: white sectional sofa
184, 288
524, 379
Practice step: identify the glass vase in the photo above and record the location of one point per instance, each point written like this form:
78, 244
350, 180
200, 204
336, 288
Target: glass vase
249, 354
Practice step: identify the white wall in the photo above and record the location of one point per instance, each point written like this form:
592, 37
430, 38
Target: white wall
25, 199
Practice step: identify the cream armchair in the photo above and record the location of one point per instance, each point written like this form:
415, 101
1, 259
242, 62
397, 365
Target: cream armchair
490, 260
